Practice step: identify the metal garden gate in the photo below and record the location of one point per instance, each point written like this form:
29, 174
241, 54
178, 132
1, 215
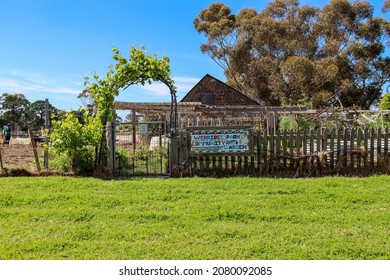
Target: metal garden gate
141, 149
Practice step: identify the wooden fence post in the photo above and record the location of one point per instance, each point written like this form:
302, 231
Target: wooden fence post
110, 138
379, 157
30, 133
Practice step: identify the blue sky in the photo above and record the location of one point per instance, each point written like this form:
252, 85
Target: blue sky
48, 46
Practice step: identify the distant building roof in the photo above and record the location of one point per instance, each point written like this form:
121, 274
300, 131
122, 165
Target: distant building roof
211, 91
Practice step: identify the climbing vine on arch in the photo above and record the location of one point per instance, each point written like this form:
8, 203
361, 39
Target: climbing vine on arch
138, 69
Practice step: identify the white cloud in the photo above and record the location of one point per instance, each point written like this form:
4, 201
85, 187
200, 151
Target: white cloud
38, 78
187, 80
183, 85
16, 86
62, 90
19, 81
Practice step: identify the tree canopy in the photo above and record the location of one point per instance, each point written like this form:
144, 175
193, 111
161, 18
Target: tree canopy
20, 112
290, 54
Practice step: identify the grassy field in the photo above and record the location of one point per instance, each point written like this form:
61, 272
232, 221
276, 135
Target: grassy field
198, 218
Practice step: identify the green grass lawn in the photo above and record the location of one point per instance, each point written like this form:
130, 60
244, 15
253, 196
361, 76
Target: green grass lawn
195, 218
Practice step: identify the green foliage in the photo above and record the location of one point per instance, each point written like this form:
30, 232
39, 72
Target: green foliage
21, 113
73, 143
36, 111
385, 102
195, 218
294, 123
14, 108
138, 69
123, 161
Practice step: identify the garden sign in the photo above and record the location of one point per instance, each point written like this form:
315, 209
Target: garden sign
226, 140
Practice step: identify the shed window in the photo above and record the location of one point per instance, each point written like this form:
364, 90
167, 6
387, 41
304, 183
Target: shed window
207, 98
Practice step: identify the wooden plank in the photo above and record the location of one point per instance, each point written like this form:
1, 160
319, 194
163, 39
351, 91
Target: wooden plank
220, 161
298, 145
246, 165
271, 151
284, 148
258, 151
304, 151
226, 164
233, 163
312, 150
277, 149
324, 145
265, 151
359, 146
365, 140
352, 148
331, 147
291, 148
372, 147
34, 147
201, 164
379, 147
207, 162
319, 142
345, 147
338, 146
194, 161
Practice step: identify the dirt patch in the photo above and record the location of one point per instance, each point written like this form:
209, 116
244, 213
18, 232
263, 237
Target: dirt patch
19, 156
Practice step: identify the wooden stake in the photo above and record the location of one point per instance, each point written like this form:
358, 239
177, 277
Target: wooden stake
30, 133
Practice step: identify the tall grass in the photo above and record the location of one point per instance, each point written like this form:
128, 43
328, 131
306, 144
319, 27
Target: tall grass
195, 218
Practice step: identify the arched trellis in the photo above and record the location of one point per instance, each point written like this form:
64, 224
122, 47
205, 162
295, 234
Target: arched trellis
138, 69
172, 118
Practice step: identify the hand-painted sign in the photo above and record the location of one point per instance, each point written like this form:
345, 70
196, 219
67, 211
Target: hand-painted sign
221, 140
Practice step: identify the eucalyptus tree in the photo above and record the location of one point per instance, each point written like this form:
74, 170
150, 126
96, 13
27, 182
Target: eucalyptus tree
354, 40
13, 109
291, 54
386, 6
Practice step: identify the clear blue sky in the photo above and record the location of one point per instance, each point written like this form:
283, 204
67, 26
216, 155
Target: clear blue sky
47, 46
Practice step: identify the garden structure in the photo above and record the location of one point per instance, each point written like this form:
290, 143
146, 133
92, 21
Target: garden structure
340, 140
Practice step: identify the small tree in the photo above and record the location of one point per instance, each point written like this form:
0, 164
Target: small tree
14, 109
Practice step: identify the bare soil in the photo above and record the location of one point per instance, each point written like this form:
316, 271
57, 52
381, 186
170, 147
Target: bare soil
19, 156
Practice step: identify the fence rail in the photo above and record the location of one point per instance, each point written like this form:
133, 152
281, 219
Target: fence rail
297, 154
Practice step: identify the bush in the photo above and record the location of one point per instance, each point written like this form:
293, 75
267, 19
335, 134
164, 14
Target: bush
73, 143
384, 104
295, 123
123, 161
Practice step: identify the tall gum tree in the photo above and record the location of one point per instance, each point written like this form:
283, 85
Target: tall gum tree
290, 54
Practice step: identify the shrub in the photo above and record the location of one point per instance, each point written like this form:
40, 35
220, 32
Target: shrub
123, 161
73, 143
291, 122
